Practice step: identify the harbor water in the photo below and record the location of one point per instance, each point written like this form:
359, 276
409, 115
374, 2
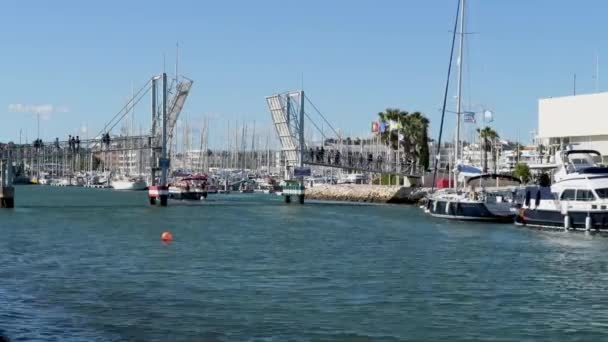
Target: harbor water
88, 265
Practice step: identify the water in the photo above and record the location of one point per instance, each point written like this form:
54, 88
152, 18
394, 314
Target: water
88, 265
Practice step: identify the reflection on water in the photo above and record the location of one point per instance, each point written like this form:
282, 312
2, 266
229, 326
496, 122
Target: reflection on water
88, 265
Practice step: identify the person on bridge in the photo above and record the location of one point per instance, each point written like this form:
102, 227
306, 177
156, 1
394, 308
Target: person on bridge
70, 142
77, 144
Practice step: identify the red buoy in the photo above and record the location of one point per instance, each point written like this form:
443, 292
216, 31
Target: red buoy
166, 237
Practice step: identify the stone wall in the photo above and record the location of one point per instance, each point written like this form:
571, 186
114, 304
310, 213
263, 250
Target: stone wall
366, 193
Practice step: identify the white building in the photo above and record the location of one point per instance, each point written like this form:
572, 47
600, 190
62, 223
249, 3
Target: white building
581, 120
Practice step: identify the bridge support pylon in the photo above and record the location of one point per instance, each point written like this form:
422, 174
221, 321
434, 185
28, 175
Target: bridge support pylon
7, 191
159, 193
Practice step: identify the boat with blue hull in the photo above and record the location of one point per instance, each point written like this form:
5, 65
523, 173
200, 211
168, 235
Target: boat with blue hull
577, 200
495, 204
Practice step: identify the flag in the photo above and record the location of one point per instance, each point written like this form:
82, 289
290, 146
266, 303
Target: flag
393, 125
382, 127
375, 127
469, 117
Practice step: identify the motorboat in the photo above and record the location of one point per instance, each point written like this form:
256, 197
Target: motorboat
129, 183
189, 188
577, 200
494, 201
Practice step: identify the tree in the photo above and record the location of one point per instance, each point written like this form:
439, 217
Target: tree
522, 171
413, 129
488, 138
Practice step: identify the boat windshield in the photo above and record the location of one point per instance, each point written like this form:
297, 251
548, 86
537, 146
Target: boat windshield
579, 161
602, 193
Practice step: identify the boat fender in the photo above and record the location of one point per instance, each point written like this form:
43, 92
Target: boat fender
588, 222
434, 206
447, 207
566, 222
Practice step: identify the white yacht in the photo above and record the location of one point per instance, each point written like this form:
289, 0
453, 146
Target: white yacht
577, 200
129, 183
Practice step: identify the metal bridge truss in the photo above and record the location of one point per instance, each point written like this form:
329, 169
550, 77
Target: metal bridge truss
334, 151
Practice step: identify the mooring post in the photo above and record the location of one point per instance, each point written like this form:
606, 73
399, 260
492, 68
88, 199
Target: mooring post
7, 192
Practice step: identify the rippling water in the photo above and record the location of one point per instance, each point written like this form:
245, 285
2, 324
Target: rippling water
88, 265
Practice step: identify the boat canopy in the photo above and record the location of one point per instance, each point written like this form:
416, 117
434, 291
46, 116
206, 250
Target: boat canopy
494, 176
569, 152
195, 177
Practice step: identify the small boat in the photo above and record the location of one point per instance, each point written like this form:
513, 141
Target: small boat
246, 188
131, 184
189, 188
577, 200
496, 205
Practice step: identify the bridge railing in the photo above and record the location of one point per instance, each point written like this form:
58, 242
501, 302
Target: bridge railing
359, 159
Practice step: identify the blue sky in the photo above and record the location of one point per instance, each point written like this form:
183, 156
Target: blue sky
357, 58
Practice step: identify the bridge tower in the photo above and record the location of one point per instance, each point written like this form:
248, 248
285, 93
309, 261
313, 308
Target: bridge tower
287, 111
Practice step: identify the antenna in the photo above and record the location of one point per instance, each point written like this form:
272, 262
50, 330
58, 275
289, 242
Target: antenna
574, 90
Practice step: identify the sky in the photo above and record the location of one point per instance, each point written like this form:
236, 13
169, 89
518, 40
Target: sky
76, 62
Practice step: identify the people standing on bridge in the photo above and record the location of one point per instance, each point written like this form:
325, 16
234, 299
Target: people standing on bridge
73, 144
322, 151
311, 152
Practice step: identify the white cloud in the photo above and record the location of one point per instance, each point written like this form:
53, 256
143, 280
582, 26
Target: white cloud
45, 110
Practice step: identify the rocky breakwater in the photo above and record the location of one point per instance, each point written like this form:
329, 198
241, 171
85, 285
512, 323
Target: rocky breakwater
366, 193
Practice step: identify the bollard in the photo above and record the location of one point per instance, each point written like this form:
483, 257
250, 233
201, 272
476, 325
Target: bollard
588, 222
566, 222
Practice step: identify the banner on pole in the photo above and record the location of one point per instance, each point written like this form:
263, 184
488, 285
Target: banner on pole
469, 117
375, 127
302, 171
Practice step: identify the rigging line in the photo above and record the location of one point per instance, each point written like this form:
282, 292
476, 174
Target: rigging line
323, 117
314, 124
148, 85
445, 98
134, 102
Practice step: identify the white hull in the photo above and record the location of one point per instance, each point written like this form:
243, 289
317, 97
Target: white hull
129, 185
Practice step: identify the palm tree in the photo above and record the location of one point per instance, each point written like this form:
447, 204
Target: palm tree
417, 126
414, 129
488, 136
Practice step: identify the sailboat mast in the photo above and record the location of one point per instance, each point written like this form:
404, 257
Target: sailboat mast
459, 94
